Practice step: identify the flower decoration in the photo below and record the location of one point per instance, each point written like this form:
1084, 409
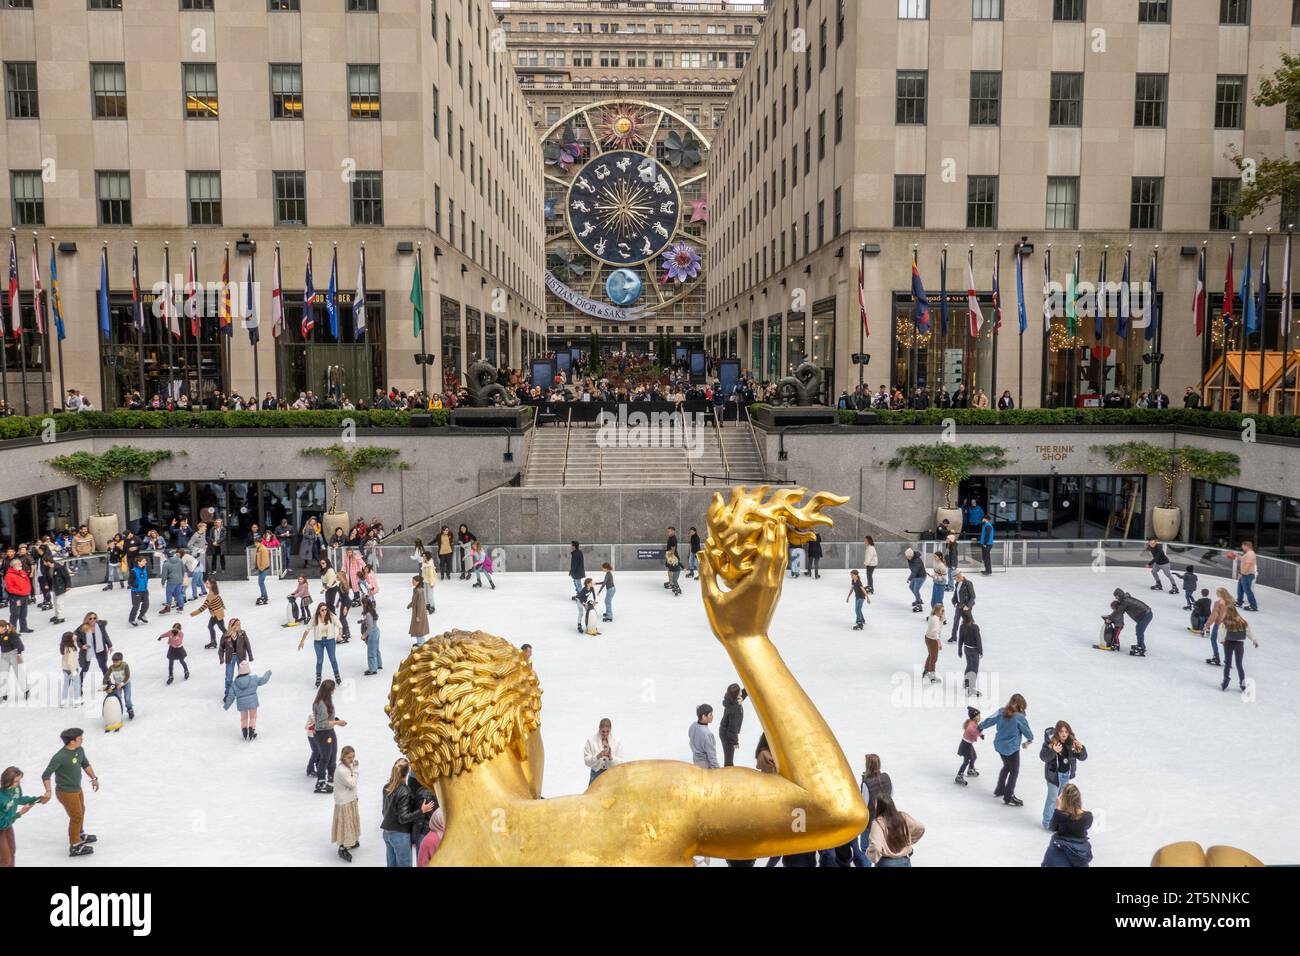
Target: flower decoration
682, 151
623, 127
699, 210
681, 262
566, 152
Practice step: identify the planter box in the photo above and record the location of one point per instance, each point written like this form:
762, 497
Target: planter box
500, 416
786, 416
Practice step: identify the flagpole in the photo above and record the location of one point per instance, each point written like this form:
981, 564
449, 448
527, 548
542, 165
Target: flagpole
1241, 377
228, 332
1284, 319
911, 353
108, 320
1263, 310
252, 291
338, 328
997, 316
4, 351
167, 321
1225, 313
424, 365
1020, 305
43, 327
58, 339
862, 332
17, 317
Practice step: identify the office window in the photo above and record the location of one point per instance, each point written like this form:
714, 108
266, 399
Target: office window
821, 222
1149, 100
912, 9
839, 21
821, 136
17, 4
1224, 191
1295, 13
28, 193
204, 192
1066, 104
985, 98
807, 151
282, 6
1069, 10
290, 197
1234, 12
196, 4
910, 108
839, 116
451, 136
113, 188
981, 202
1146, 202
837, 212
1153, 11
363, 90
363, 6
909, 202
108, 88
1229, 102
368, 199
104, 5
821, 46
986, 10
200, 81
1063, 202
286, 91
437, 112
21, 97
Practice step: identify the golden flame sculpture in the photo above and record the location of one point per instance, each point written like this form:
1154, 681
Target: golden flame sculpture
465, 708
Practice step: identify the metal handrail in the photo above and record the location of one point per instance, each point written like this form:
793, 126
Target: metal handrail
568, 436
753, 436
722, 446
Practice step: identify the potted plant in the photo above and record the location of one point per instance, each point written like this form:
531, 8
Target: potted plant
97, 472
950, 464
1170, 465
348, 464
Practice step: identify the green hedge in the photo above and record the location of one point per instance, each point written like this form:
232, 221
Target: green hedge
1115, 417
33, 425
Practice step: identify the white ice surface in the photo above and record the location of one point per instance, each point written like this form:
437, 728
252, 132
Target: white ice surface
1171, 756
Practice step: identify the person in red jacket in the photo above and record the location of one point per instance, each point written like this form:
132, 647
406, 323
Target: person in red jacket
18, 586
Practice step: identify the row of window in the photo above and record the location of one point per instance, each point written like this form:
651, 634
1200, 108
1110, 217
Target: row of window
711, 29
660, 59
1231, 12
276, 6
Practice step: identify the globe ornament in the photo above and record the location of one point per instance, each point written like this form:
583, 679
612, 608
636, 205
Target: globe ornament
623, 287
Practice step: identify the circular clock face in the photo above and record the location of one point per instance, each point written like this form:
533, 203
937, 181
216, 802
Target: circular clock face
623, 207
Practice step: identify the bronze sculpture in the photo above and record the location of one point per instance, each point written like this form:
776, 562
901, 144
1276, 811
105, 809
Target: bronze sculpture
483, 388
804, 388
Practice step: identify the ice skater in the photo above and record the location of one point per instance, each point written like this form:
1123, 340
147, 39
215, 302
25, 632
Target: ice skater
1060, 753
216, 609
1138, 611
370, 634
1159, 564
1247, 565
933, 636
235, 649
693, 554
324, 633
858, 592
345, 828
139, 592
419, 626
733, 716
963, 599
299, 610
69, 662
796, 555
429, 574
870, 559
1235, 634
324, 721
11, 663
1189, 580
175, 638
970, 646
66, 767
481, 561
970, 732
117, 683
243, 693
891, 835
674, 570
814, 556
12, 806
586, 601
1011, 726
939, 575
916, 575
1069, 824
1201, 609
1223, 601
607, 589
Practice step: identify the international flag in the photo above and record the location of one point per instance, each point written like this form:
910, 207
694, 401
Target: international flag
1244, 294
862, 292
1261, 299
1287, 292
1020, 292
250, 306
15, 316
331, 296
277, 298
1125, 299
973, 300
1071, 297
359, 300
1229, 288
103, 292
36, 289
56, 304
170, 319
943, 292
308, 302
1153, 302
997, 290
417, 297
920, 301
1198, 299
227, 315
137, 302
192, 292
1047, 294
1099, 300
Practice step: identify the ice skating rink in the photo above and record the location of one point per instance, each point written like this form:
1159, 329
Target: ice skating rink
1171, 756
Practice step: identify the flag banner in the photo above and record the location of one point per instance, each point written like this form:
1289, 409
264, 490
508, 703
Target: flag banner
227, 314
417, 297
943, 292
1099, 303
1244, 293
1287, 293
250, 306
37, 305
1198, 298
1071, 298
920, 301
972, 299
171, 316
1125, 299
359, 300
1261, 298
1229, 289
1153, 302
1047, 293
56, 304
332, 297
137, 302
277, 298
308, 302
1022, 315
15, 316
192, 310
862, 292
997, 290
103, 292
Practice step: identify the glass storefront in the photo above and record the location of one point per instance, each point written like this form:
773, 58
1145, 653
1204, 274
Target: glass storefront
155, 361
773, 348
323, 364
1224, 516
1087, 507
473, 322
490, 338
1084, 368
23, 520
756, 350
794, 341
450, 321
944, 356
822, 347
151, 505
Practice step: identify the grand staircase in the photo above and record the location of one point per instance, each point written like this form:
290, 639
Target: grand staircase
591, 457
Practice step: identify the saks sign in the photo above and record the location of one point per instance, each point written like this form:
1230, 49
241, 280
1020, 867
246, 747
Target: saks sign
610, 313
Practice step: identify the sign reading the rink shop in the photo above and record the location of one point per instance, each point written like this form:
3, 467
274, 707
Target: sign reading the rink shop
1054, 452
600, 310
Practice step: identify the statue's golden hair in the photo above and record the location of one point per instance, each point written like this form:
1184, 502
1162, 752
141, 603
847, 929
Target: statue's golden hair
460, 699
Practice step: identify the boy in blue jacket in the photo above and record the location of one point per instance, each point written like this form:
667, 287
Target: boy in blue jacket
139, 592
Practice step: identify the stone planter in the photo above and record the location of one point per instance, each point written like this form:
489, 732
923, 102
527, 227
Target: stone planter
102, 528
331, 520
954, 518
1165, 523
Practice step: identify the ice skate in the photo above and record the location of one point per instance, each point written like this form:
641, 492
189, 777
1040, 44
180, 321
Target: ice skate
961, 780
80, 849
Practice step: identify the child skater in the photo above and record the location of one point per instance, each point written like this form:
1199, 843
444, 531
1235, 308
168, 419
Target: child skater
970, 732
586, 601
482, 564
243, 692
858, 592
429, 573
175, 638
674, 564
299, 604
607, 587
69, 659
1189, 587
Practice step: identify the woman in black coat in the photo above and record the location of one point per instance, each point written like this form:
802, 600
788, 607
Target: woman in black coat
733, 715
1060, 754
464, 538
814, 556
970, 644
400, 811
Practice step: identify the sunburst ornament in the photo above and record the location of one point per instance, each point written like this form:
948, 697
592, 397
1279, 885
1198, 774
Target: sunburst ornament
623, 127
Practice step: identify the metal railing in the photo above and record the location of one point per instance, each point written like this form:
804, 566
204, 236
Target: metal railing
722, 445
568, 437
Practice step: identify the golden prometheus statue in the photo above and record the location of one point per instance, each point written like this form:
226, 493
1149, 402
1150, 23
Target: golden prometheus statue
465, 708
